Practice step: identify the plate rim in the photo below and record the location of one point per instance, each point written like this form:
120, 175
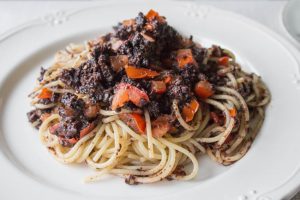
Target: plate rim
57, 19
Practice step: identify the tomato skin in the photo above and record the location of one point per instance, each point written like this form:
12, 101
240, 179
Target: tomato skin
53, 128
120, 98
158, 87
161, 125
223, 60
190, 109
204, 89
138, 73
232, 112
87, 130
45, 94
152, 15
72, 140
135, 121
68, 141
125, 93
137, 96
185, 56
168, 79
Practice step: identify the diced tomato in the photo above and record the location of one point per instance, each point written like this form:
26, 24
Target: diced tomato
223, 60
91, 110
168, 79
204, 89
232, 112
135, 121
161, 125
120, 98
45, 94
72, 140
158, 87
151, 15
137, 73
185, 56
52, 129
44, 116
137, 96
126, 92
87, 130
190, 109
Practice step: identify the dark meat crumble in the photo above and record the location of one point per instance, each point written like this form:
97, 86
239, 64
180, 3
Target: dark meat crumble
151, 66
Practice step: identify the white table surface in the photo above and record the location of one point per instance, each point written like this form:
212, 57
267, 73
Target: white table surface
267, 12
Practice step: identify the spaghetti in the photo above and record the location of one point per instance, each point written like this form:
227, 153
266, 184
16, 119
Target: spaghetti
143, 102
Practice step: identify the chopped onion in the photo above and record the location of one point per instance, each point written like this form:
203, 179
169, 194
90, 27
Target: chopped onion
115, 43
147, 37
118, 62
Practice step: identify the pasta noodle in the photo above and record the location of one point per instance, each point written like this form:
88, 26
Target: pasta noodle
224, 125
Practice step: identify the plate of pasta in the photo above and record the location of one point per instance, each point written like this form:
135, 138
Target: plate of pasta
148, 101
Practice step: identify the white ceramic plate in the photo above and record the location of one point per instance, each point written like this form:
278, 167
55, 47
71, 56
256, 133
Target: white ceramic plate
270, 170
291, 17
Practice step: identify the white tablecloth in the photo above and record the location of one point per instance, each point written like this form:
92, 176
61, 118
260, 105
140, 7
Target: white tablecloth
267, 12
